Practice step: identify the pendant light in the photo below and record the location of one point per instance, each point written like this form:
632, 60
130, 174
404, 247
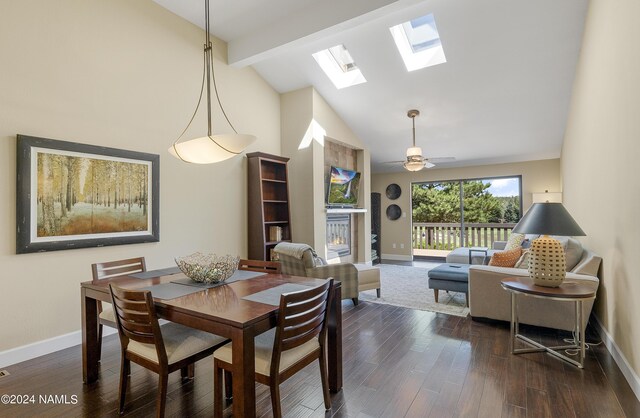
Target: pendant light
212, 148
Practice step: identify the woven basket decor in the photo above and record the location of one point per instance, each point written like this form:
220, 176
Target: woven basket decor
547, 263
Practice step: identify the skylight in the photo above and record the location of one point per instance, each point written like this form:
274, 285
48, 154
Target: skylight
339, 66
418, 42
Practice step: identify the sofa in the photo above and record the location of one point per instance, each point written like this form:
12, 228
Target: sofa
487, 298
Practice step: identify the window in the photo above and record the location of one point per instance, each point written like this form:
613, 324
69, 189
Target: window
418, 42
473, 212
339, 66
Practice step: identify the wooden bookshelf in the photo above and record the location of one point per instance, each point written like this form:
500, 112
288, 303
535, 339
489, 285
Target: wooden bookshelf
376, 227
268, 200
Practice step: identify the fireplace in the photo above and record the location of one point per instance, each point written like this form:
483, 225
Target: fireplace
338, 235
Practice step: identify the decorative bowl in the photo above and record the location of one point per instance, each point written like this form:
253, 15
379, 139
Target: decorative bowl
208, 268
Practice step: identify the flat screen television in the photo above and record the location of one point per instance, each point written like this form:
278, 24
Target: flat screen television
344, 187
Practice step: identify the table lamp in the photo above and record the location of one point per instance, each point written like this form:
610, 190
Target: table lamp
547, 262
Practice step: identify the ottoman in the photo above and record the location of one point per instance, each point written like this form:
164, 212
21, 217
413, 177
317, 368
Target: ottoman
452, 277
368, 278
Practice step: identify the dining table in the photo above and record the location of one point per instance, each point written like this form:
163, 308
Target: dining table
232, 310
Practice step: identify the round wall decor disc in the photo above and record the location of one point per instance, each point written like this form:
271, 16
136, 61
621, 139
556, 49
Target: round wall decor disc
394, 212
393, 191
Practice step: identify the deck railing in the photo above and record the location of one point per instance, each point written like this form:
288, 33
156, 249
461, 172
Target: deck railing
448, 236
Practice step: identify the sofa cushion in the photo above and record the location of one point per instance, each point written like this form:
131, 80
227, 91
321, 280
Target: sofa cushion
507, 258
523, 261
514, 241
572, 250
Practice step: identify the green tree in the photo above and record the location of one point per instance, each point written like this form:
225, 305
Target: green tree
512, 209
436, 202
480, 206
440, 202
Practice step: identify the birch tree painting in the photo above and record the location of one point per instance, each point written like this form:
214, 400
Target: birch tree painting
79, 196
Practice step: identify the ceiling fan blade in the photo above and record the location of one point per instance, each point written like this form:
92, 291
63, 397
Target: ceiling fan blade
427, 164
393, 162
442, 159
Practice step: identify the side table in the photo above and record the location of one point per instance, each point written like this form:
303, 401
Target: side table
477, 250
567, 292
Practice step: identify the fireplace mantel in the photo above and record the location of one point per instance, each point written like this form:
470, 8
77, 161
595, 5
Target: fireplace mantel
346, 210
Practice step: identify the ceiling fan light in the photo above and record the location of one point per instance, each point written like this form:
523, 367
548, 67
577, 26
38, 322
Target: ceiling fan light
413, 165
414, 152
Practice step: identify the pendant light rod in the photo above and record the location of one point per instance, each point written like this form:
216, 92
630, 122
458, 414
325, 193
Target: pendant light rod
412, 114
228, 145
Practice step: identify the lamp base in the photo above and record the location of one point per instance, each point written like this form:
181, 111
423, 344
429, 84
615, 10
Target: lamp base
547, 263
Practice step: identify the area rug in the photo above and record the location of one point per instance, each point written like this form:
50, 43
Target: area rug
409, 287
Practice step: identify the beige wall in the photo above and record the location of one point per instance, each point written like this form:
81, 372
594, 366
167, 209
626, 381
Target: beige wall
599, 163
124, 74
537, 176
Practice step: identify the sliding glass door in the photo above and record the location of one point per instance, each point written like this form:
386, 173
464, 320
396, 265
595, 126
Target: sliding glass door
471, 212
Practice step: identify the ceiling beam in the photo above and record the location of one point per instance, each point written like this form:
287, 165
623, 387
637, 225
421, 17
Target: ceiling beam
323, 19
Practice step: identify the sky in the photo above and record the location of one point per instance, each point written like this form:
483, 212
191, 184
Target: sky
503, 187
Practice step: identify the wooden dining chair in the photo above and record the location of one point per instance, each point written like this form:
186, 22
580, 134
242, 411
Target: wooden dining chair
110, 270
162, 349
298, 339
273, 267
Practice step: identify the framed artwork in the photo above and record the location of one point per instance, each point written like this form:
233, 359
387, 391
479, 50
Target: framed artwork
72, 195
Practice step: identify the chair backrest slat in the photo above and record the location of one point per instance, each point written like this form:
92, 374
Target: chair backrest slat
298, 340
136, 318
303, 316
273, 267
297, 307
305, 328
111, 269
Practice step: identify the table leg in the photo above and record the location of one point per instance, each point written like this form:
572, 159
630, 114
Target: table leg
334, 342
580, 330
244, 365
512, 340
90, 341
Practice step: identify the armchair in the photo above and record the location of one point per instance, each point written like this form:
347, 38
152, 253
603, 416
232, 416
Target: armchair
302, 260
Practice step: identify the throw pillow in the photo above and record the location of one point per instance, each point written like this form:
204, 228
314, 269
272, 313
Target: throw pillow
514, 241
572, 250
523, 261
507, 258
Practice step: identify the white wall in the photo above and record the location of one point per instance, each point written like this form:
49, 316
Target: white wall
599, 166
123, 74
537, 176
307, 119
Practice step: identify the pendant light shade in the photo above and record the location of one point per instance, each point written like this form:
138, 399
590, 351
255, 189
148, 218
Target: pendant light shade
211, 148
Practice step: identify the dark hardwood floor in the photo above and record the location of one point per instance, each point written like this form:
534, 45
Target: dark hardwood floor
397, 363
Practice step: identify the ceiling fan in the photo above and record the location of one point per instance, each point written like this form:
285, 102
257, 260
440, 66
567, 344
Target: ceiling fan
415, 161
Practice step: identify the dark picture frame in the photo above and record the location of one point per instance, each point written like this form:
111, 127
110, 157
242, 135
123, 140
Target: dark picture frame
72, 195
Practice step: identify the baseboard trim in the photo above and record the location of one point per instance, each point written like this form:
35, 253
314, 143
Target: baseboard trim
48, 346
632, 378
396, 257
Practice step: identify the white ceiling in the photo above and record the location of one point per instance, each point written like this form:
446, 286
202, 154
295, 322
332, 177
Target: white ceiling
502, 96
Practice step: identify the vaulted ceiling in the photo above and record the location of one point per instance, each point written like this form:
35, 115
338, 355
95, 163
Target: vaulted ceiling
502, 96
